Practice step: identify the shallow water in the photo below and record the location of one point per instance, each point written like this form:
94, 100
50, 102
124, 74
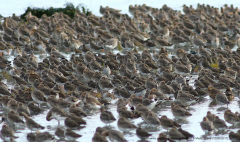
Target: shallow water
191, 124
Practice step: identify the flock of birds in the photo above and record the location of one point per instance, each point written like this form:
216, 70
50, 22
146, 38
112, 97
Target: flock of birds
141, 76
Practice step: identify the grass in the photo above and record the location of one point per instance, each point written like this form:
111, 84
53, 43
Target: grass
69, 9
215, 65
119, 47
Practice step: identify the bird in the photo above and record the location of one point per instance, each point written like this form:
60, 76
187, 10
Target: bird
142, 134
70, 123
60, 133
206, 125
123, 112
179, 112
98, 138
77, 119
77, 111
114, 135
44, 136
38, 96
175, 134
107, 116
7, 133
111, 43
31, 137
125, 125
115, 68
234, 136
222, 99
230, 117
151, 118
31, 124
71, 135
14, 119
219, 124
56, 113
167, 123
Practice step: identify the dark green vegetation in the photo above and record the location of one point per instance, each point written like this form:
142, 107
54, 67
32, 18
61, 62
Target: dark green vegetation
69, 10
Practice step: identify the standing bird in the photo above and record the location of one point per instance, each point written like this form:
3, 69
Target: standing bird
7, 133
142, 134
31, 124
56, 113
114, 135
71, 135
99, 138
219, 124
206, 125
125, 125
38, 96
13, 118
222, 99
111, 43
230, 117
106, 116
